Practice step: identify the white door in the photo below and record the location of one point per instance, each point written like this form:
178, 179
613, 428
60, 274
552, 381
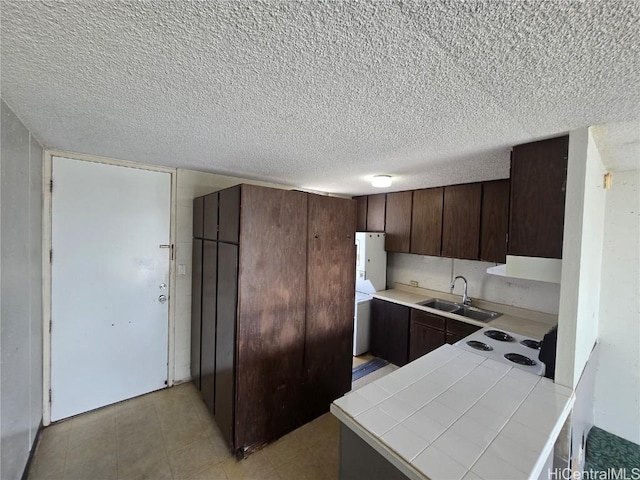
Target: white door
109, 336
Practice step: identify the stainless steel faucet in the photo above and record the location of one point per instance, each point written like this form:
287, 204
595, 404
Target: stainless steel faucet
465, 298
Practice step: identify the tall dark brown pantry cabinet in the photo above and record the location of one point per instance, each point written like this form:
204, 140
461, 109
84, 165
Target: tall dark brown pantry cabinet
283, 322
330, 300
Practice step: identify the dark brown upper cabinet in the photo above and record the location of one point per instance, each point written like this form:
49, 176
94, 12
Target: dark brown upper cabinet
494, 223
229, 221
426, 221
461, 221
198, 217
376, 212
398, 222
210, 216
361, 214
538, 183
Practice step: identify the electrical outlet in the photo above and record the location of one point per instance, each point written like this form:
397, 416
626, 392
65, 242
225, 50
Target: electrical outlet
413, 283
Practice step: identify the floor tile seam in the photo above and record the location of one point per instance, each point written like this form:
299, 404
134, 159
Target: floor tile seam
164, 441
117, 451
280, 471
41, 447
66, 453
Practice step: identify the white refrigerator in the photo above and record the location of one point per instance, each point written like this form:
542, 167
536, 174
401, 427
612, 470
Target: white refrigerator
371, 276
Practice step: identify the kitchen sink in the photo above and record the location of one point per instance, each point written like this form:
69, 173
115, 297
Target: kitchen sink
473, 313
440, 305
476, 313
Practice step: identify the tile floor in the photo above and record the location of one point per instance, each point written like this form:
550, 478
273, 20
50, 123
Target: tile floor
169, 434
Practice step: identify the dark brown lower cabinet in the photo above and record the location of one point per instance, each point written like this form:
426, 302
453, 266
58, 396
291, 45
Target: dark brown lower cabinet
427, 333
457, 330
390, 331
282, 297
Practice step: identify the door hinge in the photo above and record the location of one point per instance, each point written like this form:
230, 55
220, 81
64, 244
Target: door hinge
51, 255
51, 186
49, 395
50, 325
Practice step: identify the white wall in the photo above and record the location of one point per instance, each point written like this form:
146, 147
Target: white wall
617, 391
192, 184
21, 297
581, 258
436, 273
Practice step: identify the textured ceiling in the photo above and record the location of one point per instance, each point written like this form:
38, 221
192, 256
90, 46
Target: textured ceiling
319, 94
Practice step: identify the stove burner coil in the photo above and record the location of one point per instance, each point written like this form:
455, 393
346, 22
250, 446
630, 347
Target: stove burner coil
479, 345
531, 344
519, 359
500, 336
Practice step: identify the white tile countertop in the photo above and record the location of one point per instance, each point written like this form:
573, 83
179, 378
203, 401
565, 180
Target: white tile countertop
453, 414
517, 320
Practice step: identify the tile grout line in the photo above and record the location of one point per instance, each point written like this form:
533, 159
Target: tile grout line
458, 418
502, 428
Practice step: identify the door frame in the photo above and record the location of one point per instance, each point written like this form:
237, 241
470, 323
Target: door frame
47, 175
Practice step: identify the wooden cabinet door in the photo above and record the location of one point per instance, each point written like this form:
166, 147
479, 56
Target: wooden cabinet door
461, 221
376, 205
209, 315
462, 329
427, 332
330, 302
390, 331
398, 222
538, 183
426, 221
452, 338
424, 339
379, 334
210, 216
494, 221
361, 214
229, 214
225, 340
271, 312
196, 310
198, 217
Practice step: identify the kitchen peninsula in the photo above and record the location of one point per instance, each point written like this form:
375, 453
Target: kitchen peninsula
451, 414
454, 413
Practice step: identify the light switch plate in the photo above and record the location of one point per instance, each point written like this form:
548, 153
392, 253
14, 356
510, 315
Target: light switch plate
182, 269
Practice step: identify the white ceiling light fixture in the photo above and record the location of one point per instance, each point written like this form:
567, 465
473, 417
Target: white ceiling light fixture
381, 181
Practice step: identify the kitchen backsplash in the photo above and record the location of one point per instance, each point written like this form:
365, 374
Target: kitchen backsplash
436, 273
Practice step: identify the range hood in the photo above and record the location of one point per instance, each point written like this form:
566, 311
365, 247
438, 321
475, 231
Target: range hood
529, 268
